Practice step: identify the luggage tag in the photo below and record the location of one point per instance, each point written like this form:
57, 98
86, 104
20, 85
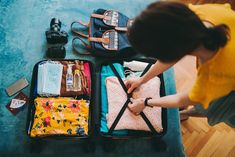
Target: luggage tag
18, 103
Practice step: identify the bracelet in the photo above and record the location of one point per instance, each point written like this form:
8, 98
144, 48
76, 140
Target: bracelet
146, 102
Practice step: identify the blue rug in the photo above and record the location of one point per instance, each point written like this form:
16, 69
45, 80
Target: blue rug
22, 44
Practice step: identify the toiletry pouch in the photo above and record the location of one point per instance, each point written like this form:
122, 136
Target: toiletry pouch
84, 69
67, 115
51, 75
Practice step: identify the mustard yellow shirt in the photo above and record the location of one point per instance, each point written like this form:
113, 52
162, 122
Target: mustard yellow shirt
216, 77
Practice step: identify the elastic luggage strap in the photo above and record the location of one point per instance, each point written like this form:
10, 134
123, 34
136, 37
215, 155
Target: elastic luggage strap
128, 101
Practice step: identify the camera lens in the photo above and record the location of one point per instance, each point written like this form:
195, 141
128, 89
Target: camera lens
55, 24
57, 51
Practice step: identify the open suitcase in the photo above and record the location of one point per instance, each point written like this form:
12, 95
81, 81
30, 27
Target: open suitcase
111, 134
37, 141
95, 111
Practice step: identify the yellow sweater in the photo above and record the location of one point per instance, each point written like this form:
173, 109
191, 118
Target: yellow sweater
216, 77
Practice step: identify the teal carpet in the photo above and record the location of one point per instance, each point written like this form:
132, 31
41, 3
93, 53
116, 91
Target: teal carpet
23, 44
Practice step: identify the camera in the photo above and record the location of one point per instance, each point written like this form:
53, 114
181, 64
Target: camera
56, 40
54, 35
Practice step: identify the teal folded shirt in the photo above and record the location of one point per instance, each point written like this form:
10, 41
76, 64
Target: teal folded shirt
107, 72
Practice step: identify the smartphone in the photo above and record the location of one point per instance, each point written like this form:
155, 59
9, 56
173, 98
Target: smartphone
17, 86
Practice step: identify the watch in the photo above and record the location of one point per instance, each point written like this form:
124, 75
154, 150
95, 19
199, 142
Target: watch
146, 102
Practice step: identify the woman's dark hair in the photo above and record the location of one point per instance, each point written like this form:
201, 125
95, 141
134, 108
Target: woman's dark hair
170, 30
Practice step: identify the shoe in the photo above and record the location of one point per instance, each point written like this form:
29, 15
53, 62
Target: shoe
183, 116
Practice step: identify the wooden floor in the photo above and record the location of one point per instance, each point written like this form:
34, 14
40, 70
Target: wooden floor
200, 139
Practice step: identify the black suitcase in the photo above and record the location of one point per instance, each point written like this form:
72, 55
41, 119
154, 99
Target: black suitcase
37, 143
94, 132
107, 139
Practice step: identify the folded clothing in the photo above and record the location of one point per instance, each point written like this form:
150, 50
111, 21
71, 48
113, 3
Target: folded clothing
49, 78
117, 98
129, 73
106, 71
135, 65
60, 116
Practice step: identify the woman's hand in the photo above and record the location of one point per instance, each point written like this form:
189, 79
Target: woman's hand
133, 83
136, 105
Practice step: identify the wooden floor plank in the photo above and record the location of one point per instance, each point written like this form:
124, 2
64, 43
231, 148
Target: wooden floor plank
202, 143
232, 152
191, 139
226, 145
211, 145
195, 143
202, 123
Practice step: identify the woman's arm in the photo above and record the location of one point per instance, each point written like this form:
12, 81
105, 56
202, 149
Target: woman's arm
158, 68
171, 101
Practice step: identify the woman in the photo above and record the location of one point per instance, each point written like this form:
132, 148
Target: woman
169, 31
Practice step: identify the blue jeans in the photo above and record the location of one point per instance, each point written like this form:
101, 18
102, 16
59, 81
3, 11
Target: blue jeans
220, 110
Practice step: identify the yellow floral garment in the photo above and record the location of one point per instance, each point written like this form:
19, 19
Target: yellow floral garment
60, 116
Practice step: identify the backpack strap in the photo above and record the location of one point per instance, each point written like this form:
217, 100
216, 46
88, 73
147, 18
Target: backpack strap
121, 29
84, 43
77, 32
100, 16
99, 40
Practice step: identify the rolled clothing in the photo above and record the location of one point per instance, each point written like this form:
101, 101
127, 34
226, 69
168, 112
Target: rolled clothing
136, 65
